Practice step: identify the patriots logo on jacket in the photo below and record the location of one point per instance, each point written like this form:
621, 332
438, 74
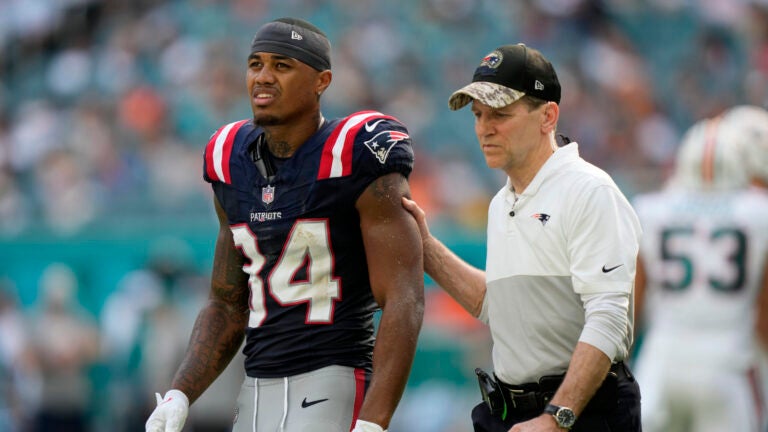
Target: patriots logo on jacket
542, 217
381, 144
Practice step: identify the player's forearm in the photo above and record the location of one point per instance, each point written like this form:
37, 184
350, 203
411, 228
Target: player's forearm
216, 337
220, 325
392, 359
462, 281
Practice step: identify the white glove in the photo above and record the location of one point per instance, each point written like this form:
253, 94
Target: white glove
364, 426
170, 414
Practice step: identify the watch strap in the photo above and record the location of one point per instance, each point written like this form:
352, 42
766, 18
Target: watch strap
564, 416
551, 409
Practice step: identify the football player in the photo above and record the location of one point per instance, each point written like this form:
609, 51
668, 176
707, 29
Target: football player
313, 241
702, 280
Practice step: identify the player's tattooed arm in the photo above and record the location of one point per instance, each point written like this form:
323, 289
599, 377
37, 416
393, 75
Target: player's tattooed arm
220, 326
395, 267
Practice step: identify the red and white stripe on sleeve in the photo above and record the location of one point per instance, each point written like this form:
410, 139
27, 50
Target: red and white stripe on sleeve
219, 150
336, 160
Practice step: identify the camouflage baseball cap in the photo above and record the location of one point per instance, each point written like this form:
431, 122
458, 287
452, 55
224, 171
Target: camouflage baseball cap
507, 74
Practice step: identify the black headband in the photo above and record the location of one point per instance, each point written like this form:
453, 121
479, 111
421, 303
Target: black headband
295, 38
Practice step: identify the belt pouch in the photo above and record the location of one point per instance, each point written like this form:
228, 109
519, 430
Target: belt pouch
492, 394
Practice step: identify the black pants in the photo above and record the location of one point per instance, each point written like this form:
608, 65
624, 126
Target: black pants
625, 417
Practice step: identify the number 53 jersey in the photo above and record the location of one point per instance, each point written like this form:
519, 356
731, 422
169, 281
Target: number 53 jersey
704, 256
310, 297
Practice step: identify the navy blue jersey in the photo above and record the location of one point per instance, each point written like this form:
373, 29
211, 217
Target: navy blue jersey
311, 303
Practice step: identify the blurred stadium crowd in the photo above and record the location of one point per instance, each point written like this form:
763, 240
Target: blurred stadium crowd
106, 105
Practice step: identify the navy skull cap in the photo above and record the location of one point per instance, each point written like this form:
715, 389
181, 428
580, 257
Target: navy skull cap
295, 38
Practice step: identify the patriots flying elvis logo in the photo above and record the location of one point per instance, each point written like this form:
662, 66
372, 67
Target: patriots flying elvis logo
542, 217
492, 60
382, 143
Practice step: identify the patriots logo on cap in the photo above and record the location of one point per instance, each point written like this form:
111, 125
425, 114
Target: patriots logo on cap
492, 60
381, 144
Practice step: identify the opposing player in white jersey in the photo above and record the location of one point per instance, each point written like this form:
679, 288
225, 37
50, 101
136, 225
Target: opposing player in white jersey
702, 281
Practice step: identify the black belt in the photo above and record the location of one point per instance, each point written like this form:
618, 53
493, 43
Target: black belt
531, 396
535, 396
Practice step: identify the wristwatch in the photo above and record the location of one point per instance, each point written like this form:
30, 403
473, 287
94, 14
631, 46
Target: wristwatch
564, 416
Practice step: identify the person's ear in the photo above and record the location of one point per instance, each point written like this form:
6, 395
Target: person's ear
550, 116
324, 79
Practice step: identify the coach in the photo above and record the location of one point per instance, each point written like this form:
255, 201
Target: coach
557, 291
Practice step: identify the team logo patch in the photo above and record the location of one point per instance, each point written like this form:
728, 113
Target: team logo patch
268, 194
381, 143
492, 60
542, 217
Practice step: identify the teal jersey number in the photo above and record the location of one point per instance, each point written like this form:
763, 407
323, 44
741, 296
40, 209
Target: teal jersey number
737, 258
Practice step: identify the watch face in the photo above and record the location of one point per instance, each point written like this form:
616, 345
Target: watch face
565, 417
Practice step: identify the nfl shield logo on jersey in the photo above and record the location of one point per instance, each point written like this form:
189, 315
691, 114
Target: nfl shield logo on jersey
268, 194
